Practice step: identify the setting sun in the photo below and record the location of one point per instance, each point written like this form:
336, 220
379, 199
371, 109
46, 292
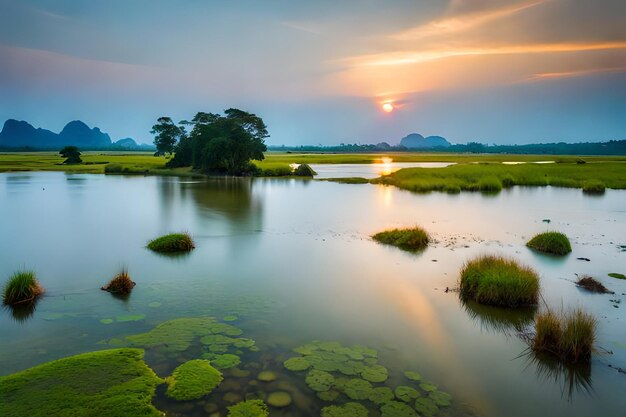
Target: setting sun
388, 107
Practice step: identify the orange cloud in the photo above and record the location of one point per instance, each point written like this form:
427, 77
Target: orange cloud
571, 74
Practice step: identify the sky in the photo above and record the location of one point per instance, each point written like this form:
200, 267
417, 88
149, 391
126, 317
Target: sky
319, 72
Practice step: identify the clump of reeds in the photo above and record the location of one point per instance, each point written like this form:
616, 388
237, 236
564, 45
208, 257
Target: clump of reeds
21, 288
121, 284
172, 243
550, 242
411, 239
593, 285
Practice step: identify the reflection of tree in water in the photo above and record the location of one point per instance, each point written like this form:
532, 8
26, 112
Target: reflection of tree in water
499, 320
571, 377
228, 198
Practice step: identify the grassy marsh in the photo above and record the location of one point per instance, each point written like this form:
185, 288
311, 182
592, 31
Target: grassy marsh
570, 336
554, 243
172, 243
22, 287
411, 239
499, 281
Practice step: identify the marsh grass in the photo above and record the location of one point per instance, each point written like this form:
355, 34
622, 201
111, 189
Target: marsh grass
570, 336
413, 239
499, 281
554, 243
592, 285
172, 243
347, 180
21, 288
304, 170
489, 184
121, 284
594, 187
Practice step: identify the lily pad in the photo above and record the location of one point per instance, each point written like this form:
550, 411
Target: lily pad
297, 364
267, 376
381, 395
217, 339
112, 382
406, 394
174, 335
279, 399
617, 275
413, 376
243, 342
375, 373
319, 380
223, 328
250, 408
345, 410
358, 389
307, 349
442, 399
426, 407
397, 409
193, 379
351, 368
330, 395
106, 321
428, 386
225, 361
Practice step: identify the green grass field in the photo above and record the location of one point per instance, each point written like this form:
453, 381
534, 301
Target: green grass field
473, 172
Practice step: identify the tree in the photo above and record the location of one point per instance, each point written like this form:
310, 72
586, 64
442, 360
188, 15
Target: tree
72, 155
167, 135
222, 144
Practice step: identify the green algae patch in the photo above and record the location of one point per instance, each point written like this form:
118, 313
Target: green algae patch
412, 375
319, 380
250, 408
192, 380
345, 410
499, 281
375, 373
231, 317
130, 317
297, 364
279, 399
106, 321
617, 275
412, 239
406, 394
397, 409
554, 243
108, 383
154, 304
174, 335
381, 395
172, 243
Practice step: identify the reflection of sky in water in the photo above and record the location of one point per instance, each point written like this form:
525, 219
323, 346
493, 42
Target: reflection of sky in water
370, 170
306, 245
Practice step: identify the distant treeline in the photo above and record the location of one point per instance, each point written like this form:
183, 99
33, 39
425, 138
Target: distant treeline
613, 147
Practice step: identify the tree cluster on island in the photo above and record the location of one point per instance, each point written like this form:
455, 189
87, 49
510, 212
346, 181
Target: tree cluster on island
213, 143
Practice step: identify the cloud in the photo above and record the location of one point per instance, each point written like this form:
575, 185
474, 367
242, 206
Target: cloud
571, 74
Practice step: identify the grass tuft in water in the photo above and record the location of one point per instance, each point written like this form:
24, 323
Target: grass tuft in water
593, 285
490, 184
172, 243
22, 287
121, 284
550, 242
570, 336
594, 187
499, 281
304, 170
413, 239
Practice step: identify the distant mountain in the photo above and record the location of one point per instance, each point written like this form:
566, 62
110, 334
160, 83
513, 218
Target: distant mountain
18, 135
417, 141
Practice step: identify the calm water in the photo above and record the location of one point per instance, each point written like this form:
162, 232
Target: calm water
293, 259
370, 170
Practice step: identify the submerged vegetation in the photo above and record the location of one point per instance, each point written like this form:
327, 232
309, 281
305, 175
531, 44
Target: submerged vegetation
570, 336
554, 243
193, 379
105, 383
172, 243
21, 288
121, 284
250, 408
411, 239
499, 281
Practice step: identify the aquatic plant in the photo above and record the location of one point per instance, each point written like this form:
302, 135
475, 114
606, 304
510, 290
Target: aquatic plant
489, 184
412, 375
279, 399
499, 281
594, 187
358, 389
441, 398
375, 373
129, 317
173, 335
330, 395
267, 376
428, 386
570, 336
397, 409
345, 410
381, 395
617, 275
426, 407
121, 284
304, 170
554, 243
104, 383
22, 287
405, 393
412, 239
297, 364
348, 180
250, 408
193, 379
319, 380
172, 243
593, 285
225, 361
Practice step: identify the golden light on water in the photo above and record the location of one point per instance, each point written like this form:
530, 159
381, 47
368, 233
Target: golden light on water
386, 167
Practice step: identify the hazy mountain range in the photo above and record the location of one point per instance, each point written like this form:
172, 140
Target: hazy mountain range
17, 134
